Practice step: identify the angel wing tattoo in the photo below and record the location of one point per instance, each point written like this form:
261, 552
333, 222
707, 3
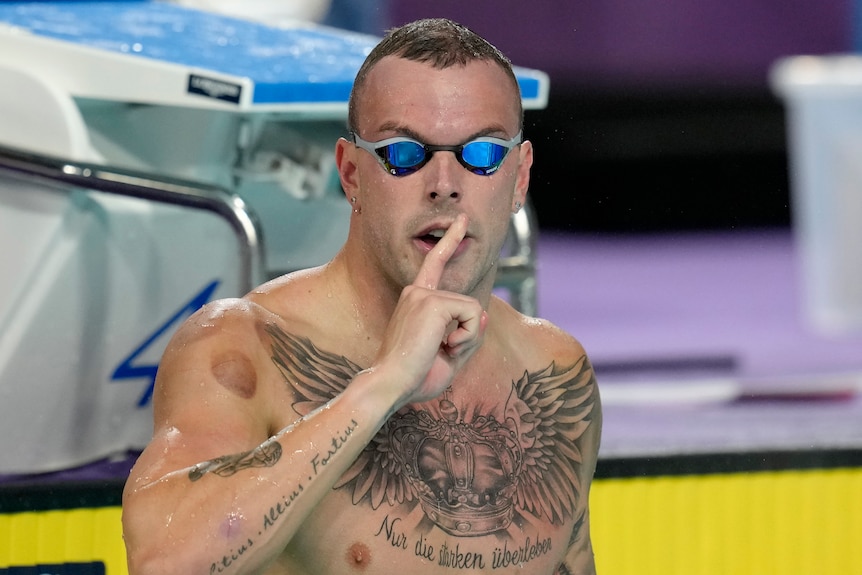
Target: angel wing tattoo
471, 468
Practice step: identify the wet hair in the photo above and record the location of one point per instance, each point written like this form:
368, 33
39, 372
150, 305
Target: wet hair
439, 42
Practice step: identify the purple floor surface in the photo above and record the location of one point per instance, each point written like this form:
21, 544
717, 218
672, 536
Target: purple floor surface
700, 344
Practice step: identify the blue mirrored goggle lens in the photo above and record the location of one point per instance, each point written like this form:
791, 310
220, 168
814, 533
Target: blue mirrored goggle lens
484, 155
404, 154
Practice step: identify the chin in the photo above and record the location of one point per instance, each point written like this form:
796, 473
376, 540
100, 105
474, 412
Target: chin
461, 285
454, 287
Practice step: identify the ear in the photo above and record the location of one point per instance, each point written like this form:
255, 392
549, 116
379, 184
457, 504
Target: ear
522, 182
345, 162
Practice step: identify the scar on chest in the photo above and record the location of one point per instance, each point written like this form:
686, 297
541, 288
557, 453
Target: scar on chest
235, 372
358, 556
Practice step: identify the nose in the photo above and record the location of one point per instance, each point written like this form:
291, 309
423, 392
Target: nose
444, 173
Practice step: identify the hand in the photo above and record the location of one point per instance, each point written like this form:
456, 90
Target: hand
432, 333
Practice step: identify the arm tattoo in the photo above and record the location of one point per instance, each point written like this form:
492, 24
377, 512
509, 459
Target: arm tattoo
266, 455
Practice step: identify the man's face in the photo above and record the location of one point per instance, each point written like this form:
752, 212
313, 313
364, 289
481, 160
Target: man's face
400, 216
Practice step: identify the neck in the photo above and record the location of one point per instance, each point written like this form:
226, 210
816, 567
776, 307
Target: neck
374, 298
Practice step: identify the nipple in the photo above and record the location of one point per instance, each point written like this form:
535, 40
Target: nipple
359, 556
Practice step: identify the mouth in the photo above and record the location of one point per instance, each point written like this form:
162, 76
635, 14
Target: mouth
432, 236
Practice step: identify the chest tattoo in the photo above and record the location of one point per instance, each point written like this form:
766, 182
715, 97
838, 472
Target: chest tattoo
474, 468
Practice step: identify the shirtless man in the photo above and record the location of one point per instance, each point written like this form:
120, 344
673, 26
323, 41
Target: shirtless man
385, 412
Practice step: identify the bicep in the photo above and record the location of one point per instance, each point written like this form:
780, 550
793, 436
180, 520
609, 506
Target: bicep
210, 401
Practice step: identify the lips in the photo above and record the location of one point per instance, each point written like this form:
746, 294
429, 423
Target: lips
429, 236
433, 232
433, 236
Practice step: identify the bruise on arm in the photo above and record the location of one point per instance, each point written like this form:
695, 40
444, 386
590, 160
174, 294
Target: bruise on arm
209, 393
234, 371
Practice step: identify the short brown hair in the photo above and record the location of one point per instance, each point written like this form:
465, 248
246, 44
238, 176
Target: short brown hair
436, 41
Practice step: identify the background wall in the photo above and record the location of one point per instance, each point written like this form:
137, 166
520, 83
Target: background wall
660, 115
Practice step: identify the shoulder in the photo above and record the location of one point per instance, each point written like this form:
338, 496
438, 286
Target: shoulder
221, 323
237, 350
243, 322
549, 355
539, 338
220, 348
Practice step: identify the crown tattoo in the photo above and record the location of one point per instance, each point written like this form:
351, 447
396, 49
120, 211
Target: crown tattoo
465, 474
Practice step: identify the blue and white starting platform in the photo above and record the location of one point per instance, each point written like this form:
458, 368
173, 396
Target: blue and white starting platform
159, 53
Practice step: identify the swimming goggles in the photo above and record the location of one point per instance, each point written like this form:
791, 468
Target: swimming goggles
401, 156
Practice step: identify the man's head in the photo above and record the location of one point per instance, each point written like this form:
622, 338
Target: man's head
436, 41
436, 134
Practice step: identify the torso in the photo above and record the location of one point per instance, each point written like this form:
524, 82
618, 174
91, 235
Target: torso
470, 481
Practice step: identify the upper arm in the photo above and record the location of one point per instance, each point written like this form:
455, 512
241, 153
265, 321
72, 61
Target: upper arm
579, 559
567, 353
212, 394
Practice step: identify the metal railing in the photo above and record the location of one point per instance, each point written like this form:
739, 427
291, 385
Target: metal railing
516, 271
57, 172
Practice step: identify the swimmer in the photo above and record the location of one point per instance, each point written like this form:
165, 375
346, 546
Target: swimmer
385, 412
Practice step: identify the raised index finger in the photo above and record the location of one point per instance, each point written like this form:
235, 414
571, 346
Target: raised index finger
432, 268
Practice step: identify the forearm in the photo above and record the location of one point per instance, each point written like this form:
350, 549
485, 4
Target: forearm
235, 514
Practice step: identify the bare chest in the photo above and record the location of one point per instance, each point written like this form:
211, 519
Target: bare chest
485, 482
486, 477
